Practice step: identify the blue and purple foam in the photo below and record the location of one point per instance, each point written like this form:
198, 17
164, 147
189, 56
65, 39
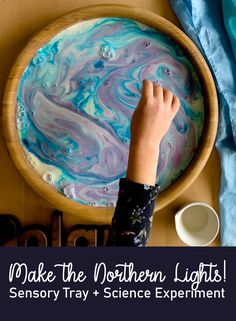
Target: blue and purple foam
77, 96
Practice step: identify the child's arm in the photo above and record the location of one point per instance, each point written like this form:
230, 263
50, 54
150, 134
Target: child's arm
150, 122
133, 215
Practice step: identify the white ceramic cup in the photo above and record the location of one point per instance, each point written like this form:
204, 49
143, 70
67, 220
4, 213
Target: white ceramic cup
197, 224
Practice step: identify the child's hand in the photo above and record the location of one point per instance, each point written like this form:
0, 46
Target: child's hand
150, 122
152, 118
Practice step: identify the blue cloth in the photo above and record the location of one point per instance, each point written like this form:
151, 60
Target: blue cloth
203, 21
229, 14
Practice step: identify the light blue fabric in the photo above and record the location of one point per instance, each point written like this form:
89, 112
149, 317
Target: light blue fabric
203, 21
229, 14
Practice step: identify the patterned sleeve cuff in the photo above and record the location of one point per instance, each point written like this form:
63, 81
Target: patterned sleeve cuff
132, 189
133, 215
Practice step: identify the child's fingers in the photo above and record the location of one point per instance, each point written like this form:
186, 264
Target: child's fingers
167, 96
147, 90
175, 104
158, 92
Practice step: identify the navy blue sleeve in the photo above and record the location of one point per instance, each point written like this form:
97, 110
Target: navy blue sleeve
132, 219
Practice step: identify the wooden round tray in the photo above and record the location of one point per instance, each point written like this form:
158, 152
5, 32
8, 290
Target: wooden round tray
99, 214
